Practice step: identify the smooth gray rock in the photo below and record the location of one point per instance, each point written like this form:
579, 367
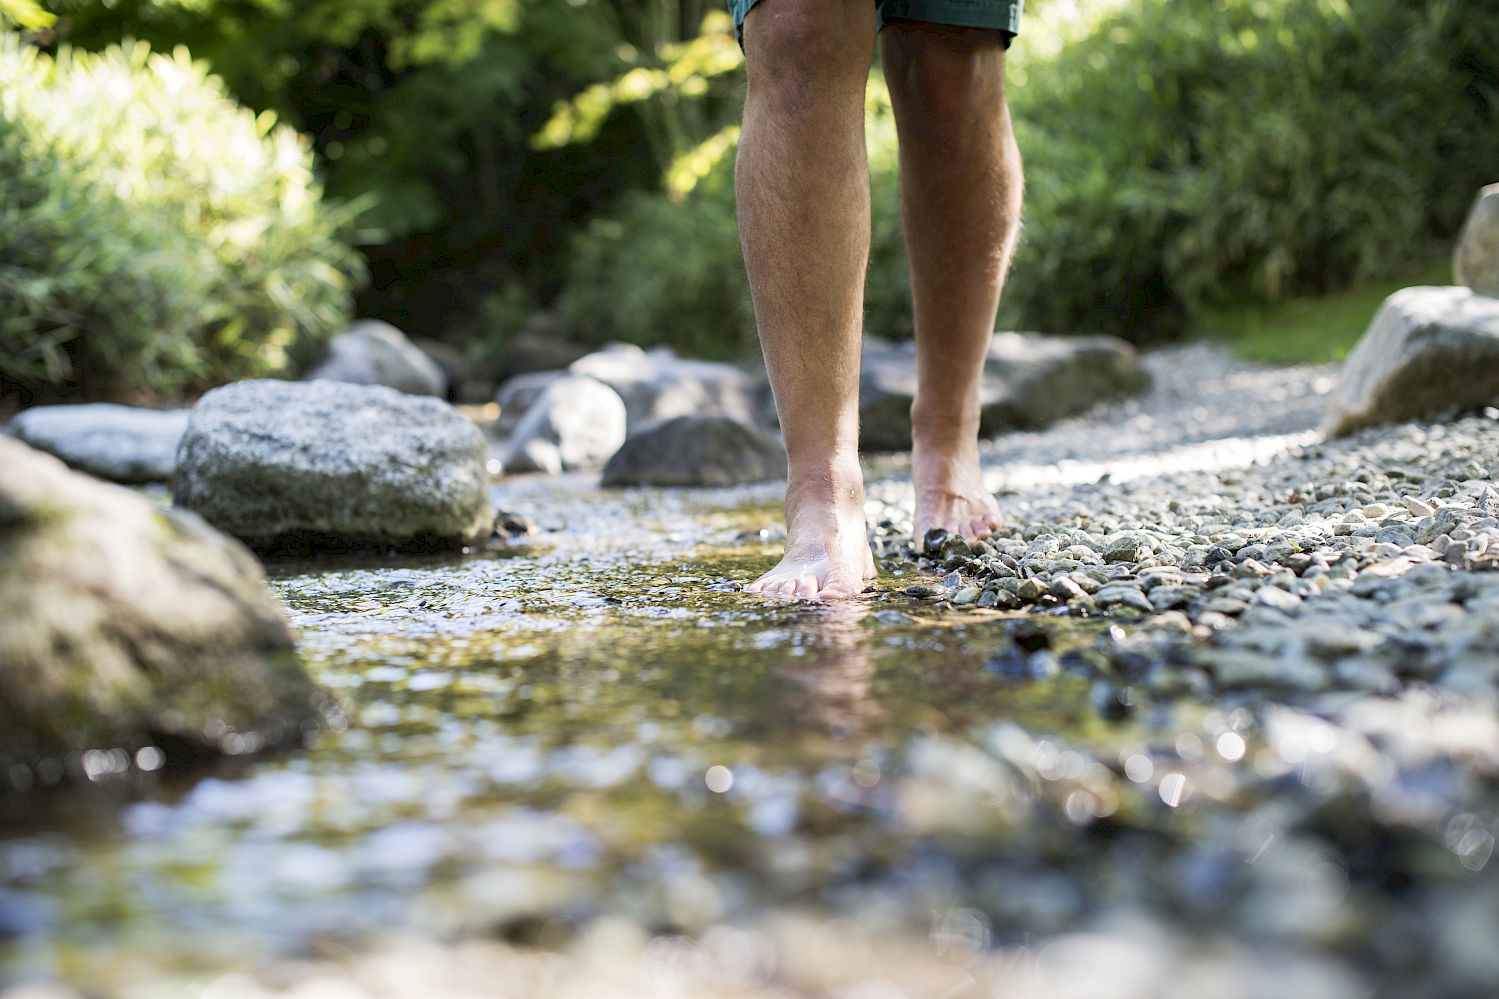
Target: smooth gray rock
658, 385
696, 451
311, 465
128, 626
1030, 380
1429, 351
1475, 261
575, 423
119, 443
374, 353
519, 393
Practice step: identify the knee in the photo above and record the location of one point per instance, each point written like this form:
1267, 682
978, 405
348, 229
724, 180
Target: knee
943, 70
799, 50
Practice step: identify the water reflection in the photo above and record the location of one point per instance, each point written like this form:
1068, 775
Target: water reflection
833, 666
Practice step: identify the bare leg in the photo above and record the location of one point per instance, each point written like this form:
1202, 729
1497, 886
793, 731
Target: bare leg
802, 184
960, 204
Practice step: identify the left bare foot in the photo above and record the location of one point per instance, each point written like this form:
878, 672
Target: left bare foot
950, 491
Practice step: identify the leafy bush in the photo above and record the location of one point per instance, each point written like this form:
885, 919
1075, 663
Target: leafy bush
154, 236
654, 271
1185, 152
422, 113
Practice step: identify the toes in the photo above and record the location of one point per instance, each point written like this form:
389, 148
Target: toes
839, 589
806, 589
766, 586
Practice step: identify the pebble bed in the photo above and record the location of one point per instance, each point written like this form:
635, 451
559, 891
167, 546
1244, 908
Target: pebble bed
1357, 564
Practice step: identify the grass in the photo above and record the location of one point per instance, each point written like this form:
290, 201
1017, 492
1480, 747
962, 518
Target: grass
1312, 330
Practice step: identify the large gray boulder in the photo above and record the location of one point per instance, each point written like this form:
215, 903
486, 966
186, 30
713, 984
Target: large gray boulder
137, 632
120, 443
1029, 380
575, 423
658, 385
308, 466
696, 451
1429, 351
374, 353
1475, 262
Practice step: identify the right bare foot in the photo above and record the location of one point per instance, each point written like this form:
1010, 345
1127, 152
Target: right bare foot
827, 543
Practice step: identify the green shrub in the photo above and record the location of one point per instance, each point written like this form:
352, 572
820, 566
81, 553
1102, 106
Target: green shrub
155, 237
653, 271
1187, 152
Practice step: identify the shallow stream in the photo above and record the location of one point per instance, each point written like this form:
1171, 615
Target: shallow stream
594, 725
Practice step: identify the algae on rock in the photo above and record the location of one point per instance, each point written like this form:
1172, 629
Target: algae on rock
127, 626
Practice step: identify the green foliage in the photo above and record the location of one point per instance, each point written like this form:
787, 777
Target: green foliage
690, 136
421, 113
578, 153
1191, 151
654, 271
154, 236
26, 14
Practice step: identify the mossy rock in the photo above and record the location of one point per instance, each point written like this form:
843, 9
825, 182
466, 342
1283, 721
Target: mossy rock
129, 626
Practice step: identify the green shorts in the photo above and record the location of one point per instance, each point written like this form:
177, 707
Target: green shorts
1002, 15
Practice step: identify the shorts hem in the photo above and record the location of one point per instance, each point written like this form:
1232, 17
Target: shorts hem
999, 16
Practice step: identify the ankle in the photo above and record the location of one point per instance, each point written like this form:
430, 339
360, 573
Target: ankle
947, 418
836, 481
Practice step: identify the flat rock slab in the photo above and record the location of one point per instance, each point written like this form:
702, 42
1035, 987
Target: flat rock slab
1475, 262
1428, 352
119, 443
131, 628
1030, 380
696, 451
311, 466
374, 353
